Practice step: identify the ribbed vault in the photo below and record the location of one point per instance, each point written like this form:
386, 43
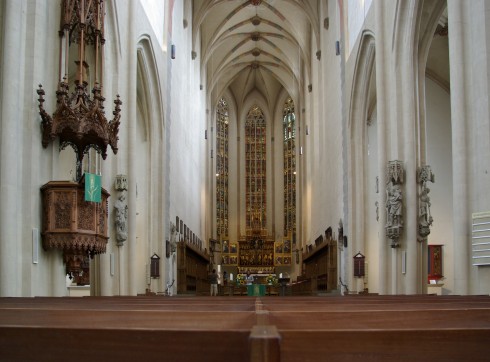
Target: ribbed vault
255, 46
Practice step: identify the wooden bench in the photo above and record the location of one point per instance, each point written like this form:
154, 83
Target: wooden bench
383, 328
367, 328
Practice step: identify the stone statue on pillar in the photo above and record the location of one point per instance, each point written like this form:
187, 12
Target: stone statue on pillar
121, 208
173, 238
394, 201
425, 219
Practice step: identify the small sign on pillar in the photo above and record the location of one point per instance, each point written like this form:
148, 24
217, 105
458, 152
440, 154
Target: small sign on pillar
155, 266
93, 187
359, 263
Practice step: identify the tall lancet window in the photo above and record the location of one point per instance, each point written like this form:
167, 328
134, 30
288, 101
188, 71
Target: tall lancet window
289, 120
255, 169
222, 126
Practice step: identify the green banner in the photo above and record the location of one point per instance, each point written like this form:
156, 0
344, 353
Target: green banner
93, 187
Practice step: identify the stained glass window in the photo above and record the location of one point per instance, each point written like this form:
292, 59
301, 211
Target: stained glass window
222, 126
289, 137
255, 160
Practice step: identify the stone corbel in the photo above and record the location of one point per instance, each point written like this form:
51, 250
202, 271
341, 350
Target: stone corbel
121, 183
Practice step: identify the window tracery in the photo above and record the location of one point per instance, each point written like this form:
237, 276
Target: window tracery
255, 163
222, 130
289, 139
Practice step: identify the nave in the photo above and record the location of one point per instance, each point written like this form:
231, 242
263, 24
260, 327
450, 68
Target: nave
337, 328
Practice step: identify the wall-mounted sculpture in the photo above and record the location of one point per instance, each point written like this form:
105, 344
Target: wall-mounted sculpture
341, 235
425, 219
173, 240
394, 201
121, 208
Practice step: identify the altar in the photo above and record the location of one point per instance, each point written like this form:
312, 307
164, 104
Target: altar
256, 290
258, 285
256, 256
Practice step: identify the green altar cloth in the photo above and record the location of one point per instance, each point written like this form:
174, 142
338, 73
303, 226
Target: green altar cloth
256, 290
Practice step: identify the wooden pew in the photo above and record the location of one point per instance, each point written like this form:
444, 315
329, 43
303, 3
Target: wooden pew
401, 328
367, 328
125, 328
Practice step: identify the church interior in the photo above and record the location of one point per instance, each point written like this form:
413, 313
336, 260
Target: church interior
323, 150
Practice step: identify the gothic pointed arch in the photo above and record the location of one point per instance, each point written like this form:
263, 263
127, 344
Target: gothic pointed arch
363, 100
151, 161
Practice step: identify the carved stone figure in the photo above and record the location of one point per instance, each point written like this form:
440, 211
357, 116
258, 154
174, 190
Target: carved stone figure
394, 201
173, 238
425, 219
121, 219
424, 175
394, 206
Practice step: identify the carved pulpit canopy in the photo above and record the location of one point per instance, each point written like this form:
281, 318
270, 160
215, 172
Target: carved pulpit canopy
79, 119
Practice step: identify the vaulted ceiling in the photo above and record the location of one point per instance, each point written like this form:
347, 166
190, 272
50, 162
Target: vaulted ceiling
255, 46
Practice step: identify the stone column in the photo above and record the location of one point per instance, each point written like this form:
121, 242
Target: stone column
383, 112
409, 117
14, 18
132, 156
459, 83
211, 171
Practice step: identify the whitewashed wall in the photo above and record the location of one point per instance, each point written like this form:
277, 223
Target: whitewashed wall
439, 157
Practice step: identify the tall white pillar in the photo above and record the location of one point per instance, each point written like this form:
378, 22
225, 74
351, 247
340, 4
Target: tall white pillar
459, 83
11, 137
383, 112
132, 156
406, 99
